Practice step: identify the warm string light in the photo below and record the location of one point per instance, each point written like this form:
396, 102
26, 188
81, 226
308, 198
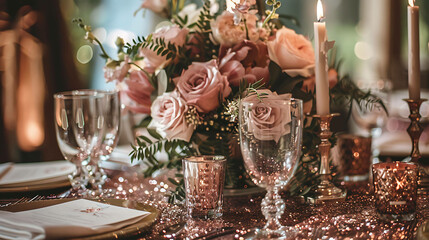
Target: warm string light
319, 11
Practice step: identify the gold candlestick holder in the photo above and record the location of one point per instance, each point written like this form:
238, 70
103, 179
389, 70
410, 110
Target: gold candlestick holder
415, 130
325, 190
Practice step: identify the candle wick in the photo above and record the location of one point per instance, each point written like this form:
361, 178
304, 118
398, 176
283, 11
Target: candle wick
321, 19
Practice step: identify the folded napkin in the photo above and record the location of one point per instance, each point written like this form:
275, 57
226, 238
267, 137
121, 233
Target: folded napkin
29, 174
78, 218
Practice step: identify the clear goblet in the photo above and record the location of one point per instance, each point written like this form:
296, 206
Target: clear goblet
270, 140
111, 108
79, 124
371, 120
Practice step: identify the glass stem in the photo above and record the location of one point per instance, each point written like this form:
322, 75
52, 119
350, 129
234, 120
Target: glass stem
273, 208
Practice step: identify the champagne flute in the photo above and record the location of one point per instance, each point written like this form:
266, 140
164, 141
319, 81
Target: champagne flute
79, 124
270, 139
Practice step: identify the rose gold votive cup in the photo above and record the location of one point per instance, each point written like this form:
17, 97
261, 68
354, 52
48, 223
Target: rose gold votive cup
395, 190
204, 180
354, 157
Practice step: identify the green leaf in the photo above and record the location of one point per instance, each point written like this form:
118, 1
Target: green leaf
154, 133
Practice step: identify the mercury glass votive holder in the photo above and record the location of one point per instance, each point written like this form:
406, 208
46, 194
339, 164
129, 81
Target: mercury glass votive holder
354, 157
204, 181
395, 190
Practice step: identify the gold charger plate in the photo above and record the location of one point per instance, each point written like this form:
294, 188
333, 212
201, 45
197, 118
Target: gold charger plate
38, 187
142, 226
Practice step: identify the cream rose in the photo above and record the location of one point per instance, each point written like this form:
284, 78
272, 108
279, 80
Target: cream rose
202, 85
171, 34
267, 118
292, 52
168, 117
228, 34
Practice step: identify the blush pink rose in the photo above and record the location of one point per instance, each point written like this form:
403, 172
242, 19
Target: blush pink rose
290, 50
156, 6
171, 34
267, 119
227, 33
138, 90
168, 117
247, 60
202, 85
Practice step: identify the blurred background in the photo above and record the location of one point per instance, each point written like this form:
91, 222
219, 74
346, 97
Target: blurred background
43, 52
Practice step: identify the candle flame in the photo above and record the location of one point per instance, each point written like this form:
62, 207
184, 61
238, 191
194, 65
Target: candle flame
411, 3
319, 10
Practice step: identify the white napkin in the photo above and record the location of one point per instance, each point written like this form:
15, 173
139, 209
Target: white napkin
72, 219
26, 174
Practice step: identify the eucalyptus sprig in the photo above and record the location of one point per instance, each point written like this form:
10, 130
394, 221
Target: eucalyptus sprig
90, 36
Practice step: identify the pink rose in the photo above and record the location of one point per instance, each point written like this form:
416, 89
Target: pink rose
267, 119
171, 34
137, 92
156, 6
228, 34
247, 60
291, 51
116, 72
168, 117
202, 85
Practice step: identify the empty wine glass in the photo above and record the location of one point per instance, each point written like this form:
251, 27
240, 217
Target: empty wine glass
270, 139
79, 121
371, 119
111, 108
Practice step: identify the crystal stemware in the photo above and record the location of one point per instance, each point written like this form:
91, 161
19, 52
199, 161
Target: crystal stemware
111, 108
371, 119
270, 139
79, 124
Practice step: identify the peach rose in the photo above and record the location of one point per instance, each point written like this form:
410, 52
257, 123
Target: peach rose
171, 34
202, 85
137, 92
268, 118
168, 117
247, 60
228, 34
292, 52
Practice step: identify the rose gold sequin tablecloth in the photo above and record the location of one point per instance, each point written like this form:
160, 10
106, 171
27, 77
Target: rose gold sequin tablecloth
354, 218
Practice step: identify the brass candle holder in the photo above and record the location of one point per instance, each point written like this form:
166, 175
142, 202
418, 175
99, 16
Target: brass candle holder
415, 130
325, 190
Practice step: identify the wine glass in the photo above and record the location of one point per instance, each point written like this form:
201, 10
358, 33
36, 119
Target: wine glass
371, 119
111, 108
270, 140
79, 124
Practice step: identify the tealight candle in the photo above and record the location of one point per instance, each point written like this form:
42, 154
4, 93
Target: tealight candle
395, 190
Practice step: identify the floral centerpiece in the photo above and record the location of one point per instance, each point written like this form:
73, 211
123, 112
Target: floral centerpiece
189, 75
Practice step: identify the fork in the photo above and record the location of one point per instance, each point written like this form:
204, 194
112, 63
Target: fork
23, 200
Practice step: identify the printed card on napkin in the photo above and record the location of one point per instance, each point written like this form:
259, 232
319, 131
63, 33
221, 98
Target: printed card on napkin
76, 218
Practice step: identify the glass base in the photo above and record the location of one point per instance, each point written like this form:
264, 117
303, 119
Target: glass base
397, 217
282, 233
326, 191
